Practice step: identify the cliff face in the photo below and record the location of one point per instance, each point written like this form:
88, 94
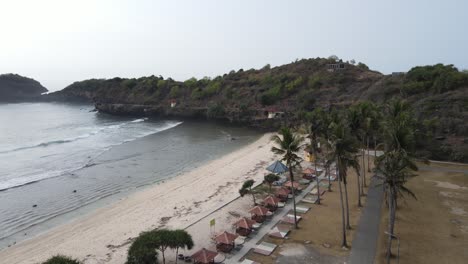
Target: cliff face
439, 95
16, 88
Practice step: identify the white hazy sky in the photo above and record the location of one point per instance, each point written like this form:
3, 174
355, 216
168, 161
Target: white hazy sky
58, 42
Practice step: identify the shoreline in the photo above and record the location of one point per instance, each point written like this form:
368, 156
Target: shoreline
103, 236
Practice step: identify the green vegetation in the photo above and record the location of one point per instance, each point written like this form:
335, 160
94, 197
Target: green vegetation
288, 145
438, 78
247, 188
59, 259
270, 179
14, 87
143, 249
438, 93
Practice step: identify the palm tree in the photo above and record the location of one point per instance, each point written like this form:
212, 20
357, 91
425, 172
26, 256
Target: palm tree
344, 149
182, 239
354, 122
315, 130
395, 165
287, 146
60, 259
394, 168
270, 179
247, 188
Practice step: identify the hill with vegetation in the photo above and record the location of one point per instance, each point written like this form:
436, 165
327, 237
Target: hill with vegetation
438, 94
15, 88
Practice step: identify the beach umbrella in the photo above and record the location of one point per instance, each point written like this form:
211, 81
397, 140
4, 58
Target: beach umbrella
271, 200
204, 256
226, 238
277, 167
245, 223
259, 210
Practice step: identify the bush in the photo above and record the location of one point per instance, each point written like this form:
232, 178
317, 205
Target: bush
215, 111
59, 259
362, 66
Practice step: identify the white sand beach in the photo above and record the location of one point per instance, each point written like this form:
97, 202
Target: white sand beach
104, 235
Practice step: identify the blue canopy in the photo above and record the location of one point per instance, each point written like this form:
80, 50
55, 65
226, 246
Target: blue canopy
277, 167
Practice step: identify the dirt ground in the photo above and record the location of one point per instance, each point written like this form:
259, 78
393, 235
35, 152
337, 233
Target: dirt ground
318, 239
433, 228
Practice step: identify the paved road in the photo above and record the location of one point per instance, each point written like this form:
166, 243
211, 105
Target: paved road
365, 242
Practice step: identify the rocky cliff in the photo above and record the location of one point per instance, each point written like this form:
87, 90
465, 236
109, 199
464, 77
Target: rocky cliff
16, 88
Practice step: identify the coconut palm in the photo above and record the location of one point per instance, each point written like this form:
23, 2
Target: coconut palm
182, 239
247, 188
344, 149
394, 168
354, 123
315, 131
288, 144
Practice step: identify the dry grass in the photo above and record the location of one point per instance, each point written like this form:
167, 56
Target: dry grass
434, 228
320, 229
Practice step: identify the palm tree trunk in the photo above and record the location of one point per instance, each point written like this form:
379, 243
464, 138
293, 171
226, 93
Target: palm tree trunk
363, 170
317, 179
164, 258
359, 189
348, 226
391, 224
375, 147
343, 243
176, 255
293, 194
253, 196
368, 156
327, 171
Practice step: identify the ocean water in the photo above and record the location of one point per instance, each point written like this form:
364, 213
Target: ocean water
60, 161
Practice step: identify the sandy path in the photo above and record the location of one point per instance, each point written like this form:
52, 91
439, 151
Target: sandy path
104, 235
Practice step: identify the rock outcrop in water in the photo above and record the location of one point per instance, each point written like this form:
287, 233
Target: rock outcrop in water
438, 93
16, 88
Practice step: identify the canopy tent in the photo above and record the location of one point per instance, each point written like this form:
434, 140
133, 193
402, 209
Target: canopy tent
277, 167
204, 256
282, 194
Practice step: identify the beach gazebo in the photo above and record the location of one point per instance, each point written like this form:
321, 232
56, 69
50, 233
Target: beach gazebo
244, 226
308, 174
259, 213
291, 185
271, 203
282, 194
277, 167
225, 242
204, 256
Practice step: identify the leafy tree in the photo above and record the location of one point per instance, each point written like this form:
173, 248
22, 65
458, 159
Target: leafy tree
247, 188
60, 259
270, 179
362, 66
216, 111
288, 145
143, 249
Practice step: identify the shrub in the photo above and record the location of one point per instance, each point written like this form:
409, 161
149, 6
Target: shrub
362, 66
175, 92
215, 111
59, 259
